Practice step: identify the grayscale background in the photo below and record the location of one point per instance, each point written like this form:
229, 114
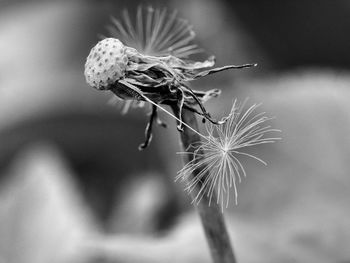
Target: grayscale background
75, 189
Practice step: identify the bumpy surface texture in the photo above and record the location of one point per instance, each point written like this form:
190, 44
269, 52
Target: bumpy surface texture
106, 63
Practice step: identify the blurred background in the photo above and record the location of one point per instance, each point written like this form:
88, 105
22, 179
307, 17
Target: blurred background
74, 187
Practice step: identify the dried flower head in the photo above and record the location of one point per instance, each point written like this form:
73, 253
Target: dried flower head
216, 163
154, 32
156, 72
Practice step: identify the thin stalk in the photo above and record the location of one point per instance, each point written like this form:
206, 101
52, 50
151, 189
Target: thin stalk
211, 216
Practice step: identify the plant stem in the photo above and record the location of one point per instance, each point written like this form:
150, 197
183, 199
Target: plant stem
211, 216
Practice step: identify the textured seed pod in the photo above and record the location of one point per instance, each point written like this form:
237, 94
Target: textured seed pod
106, 63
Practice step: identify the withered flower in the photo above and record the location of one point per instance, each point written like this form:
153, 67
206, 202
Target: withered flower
161, 78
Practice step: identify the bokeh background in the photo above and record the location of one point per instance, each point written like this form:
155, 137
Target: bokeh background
74, 187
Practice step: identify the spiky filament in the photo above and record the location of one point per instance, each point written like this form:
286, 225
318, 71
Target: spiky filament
156, 32
217, 158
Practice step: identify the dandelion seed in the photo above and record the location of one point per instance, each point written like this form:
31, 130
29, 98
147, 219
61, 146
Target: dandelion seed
216, 165
156, 32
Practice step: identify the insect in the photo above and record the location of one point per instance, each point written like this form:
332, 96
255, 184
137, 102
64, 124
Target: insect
131, 75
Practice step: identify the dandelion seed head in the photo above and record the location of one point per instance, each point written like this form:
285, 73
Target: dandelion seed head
151, 61
106, 63
216, 168
149, 65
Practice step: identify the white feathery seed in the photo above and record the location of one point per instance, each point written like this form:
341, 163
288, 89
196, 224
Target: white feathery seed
156, 32
216, 166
